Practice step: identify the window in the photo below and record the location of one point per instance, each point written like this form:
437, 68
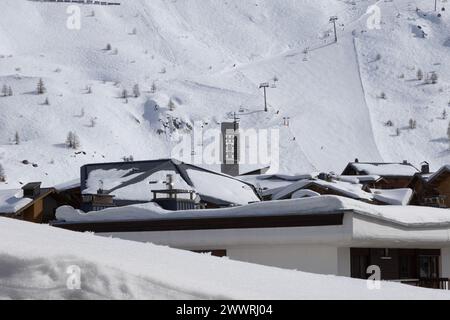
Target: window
406, 264
359, 265
428, 267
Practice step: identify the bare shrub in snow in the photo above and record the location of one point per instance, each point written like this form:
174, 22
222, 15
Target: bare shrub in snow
88, 90
40, 89
10, 92
46, 102
72, 141
382, 96
444, 115
124, 94
389, 123
93, 122
412, 124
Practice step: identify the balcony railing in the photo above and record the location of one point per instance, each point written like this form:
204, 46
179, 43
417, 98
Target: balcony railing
438, 283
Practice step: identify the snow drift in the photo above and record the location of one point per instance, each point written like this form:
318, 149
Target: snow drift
34, 260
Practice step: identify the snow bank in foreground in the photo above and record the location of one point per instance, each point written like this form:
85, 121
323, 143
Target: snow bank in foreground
34, 261
408, 216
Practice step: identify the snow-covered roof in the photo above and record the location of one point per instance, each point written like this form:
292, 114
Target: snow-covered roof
12, 201
385, 169
134, 181
360, 179
400, 197
406, 216
433, 176
352, 190
274, 181
75, 183
221, 187
349, 188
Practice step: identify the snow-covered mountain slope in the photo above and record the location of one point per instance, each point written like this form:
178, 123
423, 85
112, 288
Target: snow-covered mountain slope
209, 57
108, 268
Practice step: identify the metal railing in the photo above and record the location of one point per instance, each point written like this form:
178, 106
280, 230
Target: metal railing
437, 283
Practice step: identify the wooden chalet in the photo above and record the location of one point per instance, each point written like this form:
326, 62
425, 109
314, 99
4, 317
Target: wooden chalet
392, 175
42, 205
36, 204
432, 190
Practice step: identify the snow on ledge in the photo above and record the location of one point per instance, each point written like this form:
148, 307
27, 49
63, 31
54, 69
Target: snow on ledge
407, 216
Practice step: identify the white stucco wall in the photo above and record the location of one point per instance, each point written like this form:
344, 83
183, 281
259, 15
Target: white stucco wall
308, 258
344, 263
445, 263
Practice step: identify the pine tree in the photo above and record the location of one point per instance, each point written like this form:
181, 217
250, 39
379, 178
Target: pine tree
40, 87
16, 138
69, 140
4, 90
171, 105
108, 47
419, 75
2, 174
434, 78
153, 88
448, 133
124, 94
46, 102
10, 92
76, 141
136, 91
72, 141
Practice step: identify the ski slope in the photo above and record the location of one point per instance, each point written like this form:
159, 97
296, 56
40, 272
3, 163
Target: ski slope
31, 268
209, 58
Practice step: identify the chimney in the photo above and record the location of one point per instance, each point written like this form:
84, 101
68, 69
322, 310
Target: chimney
169, 182
32, 190
425, 168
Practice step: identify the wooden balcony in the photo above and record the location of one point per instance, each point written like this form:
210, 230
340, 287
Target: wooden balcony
438, 283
